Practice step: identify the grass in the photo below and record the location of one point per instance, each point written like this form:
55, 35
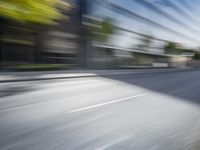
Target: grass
38, 67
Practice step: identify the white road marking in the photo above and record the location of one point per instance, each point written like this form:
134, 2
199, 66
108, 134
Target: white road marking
105, 103
104, 147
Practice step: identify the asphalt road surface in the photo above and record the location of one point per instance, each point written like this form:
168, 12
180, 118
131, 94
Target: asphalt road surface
126, 112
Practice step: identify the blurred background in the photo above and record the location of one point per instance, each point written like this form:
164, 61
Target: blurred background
99, 75
98, 34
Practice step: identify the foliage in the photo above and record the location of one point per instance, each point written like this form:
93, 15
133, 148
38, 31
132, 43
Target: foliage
103, 30
36, 11
171, 48
196, 56
174, 48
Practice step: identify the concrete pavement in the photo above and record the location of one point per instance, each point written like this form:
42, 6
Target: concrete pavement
125, 112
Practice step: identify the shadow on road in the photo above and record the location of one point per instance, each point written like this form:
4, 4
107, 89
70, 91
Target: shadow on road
183, 85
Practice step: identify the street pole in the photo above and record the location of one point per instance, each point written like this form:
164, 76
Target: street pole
84, 38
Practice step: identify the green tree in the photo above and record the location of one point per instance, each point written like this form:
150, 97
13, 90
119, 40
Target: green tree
196, 56
102, 30
36, 11
171, 48
30, 18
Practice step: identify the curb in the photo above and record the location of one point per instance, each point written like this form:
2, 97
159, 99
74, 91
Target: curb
98, 75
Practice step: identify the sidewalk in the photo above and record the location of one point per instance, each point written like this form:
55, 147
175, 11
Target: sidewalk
48, 75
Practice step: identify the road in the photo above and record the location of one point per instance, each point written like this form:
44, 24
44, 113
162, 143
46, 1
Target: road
158, 111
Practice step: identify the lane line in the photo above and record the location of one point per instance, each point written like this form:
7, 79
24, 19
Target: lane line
117, 141
105, 103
